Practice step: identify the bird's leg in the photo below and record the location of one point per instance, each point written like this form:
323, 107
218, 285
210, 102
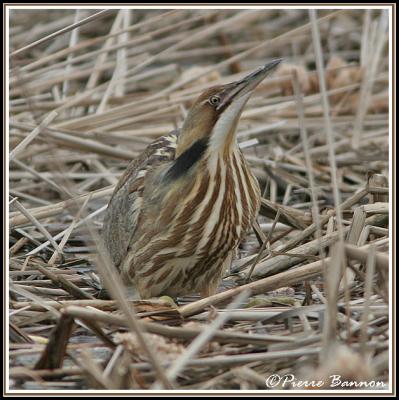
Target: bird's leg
209, 290
211, 287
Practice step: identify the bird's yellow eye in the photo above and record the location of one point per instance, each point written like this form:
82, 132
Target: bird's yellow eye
214, 100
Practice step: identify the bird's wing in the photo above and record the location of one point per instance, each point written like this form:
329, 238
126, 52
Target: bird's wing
125, 206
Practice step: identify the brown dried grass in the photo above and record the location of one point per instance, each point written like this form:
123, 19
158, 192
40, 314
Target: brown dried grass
85, 97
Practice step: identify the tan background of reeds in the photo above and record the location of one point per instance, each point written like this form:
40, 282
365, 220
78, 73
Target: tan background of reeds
90, 89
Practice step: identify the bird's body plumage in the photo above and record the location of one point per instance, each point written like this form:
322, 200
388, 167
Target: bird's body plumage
180, 210
155, 242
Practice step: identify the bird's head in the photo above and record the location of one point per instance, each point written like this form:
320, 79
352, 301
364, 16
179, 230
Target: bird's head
214, 116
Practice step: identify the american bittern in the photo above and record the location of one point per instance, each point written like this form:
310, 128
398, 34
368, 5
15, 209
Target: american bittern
181, 209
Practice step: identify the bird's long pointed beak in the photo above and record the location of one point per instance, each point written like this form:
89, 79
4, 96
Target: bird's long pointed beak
246, 85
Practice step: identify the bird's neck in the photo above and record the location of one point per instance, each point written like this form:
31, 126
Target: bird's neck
220, 135
223, 156
196, 144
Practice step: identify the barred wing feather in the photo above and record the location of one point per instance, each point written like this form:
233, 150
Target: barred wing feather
126, 202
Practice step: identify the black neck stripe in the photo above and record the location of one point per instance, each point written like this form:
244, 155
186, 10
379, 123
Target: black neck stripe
187, 159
